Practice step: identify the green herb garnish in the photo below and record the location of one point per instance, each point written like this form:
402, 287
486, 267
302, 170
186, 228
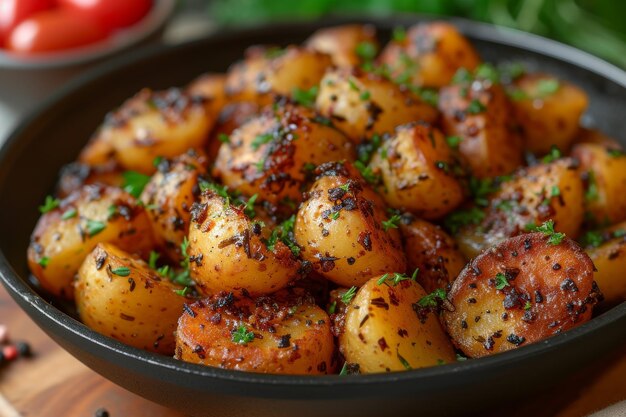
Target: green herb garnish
430, 300
134, 182
242, 335
348, 295
71, 213
50, 204
501, 281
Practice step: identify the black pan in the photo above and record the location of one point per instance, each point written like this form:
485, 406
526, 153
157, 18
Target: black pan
54, 135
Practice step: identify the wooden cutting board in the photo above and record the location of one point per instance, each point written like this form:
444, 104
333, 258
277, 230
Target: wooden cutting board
53, 383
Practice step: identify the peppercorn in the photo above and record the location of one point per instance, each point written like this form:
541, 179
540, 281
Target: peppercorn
10, 352
101, 412
24, 349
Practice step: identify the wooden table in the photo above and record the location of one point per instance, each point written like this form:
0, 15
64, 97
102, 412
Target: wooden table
53, 383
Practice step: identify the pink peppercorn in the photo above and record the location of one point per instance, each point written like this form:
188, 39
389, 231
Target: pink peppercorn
10, 352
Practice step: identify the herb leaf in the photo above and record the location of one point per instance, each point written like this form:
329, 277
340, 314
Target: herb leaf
430, 300
305, 97
547, 228
94, 227
71, 213
501, 281
261, 140
134, 182
50, 204
122, 271
348, 295
242, 335
392, 222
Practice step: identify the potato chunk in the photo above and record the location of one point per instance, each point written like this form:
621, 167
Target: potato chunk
119, 296
416, 169
151, 124
383, 331
429, 54
273, 71
544, 192
433, 251
523, 290
479, 114
362, 104
604, 174
548, 111
64, 236
168, 198
285, 333
340, 228
231, 252
607, 250
347, 45
273, 154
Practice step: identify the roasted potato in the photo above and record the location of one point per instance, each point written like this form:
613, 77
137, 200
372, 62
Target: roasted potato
119, 296
383, 333
273, 71
347, 45
213, 88
604, 173
340, 228
362, 104
74, 175
521, 291
232, 116
151, 124
428, 54
607, 250
416, 169
544, 192
432, 250
597, 137
272, 155
479, 114
231, 252
283, 333
547, 111
168, 198
66, 234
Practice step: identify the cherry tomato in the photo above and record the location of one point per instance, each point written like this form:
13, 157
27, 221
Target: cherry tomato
53, 30
12, 12
110, 14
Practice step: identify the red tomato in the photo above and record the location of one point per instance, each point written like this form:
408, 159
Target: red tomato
111, 14
53, 30
12, 12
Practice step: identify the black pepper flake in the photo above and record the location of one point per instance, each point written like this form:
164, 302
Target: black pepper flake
515, 339
365, 239
471, 301
284, 341
157, 342
197, 259
351, 261
101, 412
569, 285
489, 343
527, 244
367, 316
463, 324
473, 285
199, 350
556, 267
100, 259
322, 367
538, 297
476, 270
188, 310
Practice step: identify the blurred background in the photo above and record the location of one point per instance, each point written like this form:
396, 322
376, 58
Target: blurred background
47, 43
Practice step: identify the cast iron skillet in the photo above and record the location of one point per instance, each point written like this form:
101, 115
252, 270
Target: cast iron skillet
54, 135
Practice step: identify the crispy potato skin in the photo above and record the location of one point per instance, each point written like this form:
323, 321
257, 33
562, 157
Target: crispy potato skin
362, 104
430, 53
547, 120
276, 168
212, 87
415, 166
341, 42
232, 116
550, 289
151, 124
610, 261
350, 247
292, 334
168, 198
261, 75
597, 137
480, 115
138, 308
605, 171
74, 175
433, 251
228, 252
382, 330
66, 243
537, 194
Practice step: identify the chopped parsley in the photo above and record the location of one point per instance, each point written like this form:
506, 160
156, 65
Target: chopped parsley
460, 358
242, 336
122, 271
487, 71
462, 76
547, 228
481, 188
396, 278
183, 292
332, 308
392, 222
546, 87
248, 208
555, 191
615, 153
50, 204
152, 260
94, 227
69, 214
365, 95
501, 281
403, 361
43, 261
453, 141
335, 215
367, 173
555, 153
591, 194
305, 97
134, 182
461, 218
261, 140
399, 34
527, 306
366, 50
283, 233
366, 149
223, 137
430, 300
475, 107
348, 295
